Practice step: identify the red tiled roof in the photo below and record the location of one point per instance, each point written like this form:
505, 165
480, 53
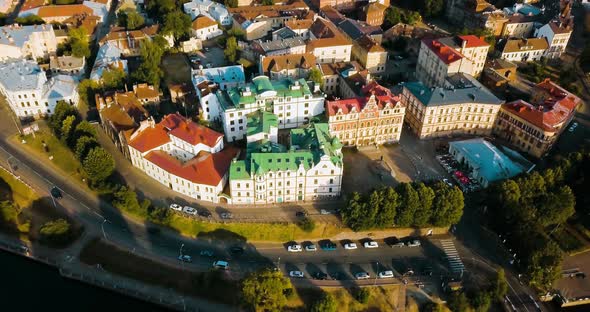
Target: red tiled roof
205, 168
64, 10
444, 52
173, 124
473, 41
383, 96
31, 4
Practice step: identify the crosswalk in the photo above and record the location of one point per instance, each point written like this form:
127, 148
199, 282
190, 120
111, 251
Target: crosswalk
453, 257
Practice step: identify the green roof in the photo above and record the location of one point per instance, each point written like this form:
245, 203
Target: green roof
262, 84
265, 146
261, 121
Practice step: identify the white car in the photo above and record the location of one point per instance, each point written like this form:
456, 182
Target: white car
325, 212
311, 247
371, 244
386, 274
296, 274
362, 275
448, 182
189, 210
185, 258
350, 246
175, 207
414, 243
294, 248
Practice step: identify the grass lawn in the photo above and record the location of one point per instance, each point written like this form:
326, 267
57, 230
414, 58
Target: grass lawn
22, 195
210, 285
63, 158
280, 232
381, 298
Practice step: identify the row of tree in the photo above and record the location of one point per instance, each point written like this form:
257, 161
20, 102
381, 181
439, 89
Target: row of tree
408, 204
480, 299
528, 209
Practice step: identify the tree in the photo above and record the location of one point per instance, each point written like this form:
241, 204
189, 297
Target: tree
231, 49
556, 207
363, 295
126, 200
315, 75
29, 20
307, 225
326, 303
544, 265
78, 41
500, 286
60, 113
409, 204
424, 212
433, 307
130, 19
432, 8
412, 17
84, 128
160, 215
357, 214
149, 70
67, 128
114, 78
83, 145
8, 216
393, 16
386, 215
447, 207
231, 3
268, 2
482, 301
265, 290
98, 164
56, 232
62, 2
459, 303
159, 8
177, 24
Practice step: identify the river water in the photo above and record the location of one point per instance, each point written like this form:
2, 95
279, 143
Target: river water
31, 286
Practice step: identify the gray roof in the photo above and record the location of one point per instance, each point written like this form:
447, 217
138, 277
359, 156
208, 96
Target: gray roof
19, 75
459, 91
60, 86
284, 33
274, 45
16, 35
351, 28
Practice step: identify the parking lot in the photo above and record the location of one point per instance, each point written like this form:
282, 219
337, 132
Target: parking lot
459, 176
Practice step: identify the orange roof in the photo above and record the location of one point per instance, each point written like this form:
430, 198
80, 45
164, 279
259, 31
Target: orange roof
444, 52
383, 97
145, 91
202, 22
326, 35
178, 126
289, 61
64, 10
473, 41
31, 4
205, 168
299, 24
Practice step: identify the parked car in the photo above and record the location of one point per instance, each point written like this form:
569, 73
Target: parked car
185, 258
296, 274
413, 243
311, 247
325, 212
56, 193
301, 214
398, 244
371, 244
362, 275
175, 207
226, 215
189, 210
294, 248
395, 242
219, 264
236, 250
206, 253
350, 246
328, 246
386, 274
447, 182
205, 213
320, 276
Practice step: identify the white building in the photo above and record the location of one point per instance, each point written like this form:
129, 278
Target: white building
294, 103
60, 13
311, 168
182, 155
524, 50
327, 42
28, 91
213, 10
108, 57
557, 34
205, 28
33, 41
208, 80
439, 58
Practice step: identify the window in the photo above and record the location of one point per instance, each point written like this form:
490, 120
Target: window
315, 181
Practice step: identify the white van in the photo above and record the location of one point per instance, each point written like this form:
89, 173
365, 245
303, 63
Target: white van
221, 265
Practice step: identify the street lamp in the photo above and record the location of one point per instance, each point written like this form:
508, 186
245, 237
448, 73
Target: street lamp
104, 234
376, 273
180, 251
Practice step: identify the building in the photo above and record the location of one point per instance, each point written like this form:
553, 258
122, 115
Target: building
121, 114
67, 65
34, 41
5, 5
294, 102
498, 73
287, 46
181, 93
107, 58
373, 13
309, 169
468, 13
191, 45
487, 163
370, 54
334, 74
129, 41
534, 127
439, 58
61, 13
524, 50
205, 28
374, 119
518, 26
208, 81
557, 34
463, 106
300, 27
186, 157
294, 66
216, 11
327, 43
28, 91
146, 94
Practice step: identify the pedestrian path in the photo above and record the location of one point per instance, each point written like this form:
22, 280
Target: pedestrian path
455, 263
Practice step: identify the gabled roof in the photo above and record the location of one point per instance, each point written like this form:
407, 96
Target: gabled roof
521, 45
383, 98
472, 41
445, 53
299, 24
64, 10
203, 21
277, 63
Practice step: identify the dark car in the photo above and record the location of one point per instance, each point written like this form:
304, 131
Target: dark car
204, 213
301, 214
320, 276
236, 250
328, 246
56, 193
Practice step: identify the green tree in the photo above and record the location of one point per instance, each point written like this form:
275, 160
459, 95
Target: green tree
409, 204
29, 20
362, 295
67, 128
78, 41
432, 8
231, 49
160, 215
412, 17
500, 286
307, 225
177, 24
56, 232
459, 303
544, 265
433, 307
98, 164
149, 70
131, 19
84, 128
8, 216
448, 204
315, 75
62, 2
126, 200
482, 301
268, 2
60, 113
231, 3
424, 212
393, 16
385, 217
83, 145
358, 214
159, 8
114, 78
265, 290
326, 303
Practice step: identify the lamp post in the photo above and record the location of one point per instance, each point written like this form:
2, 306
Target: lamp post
104, 234
376, 274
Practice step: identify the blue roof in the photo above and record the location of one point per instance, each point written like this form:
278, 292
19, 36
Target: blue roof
19, 75
219, 75
475, 93
61, 86
491, 162
16, 35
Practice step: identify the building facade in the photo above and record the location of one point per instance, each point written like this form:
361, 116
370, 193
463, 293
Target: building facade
33, 41
205, 28
524, 50
216, 11
294, 66
557, 35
